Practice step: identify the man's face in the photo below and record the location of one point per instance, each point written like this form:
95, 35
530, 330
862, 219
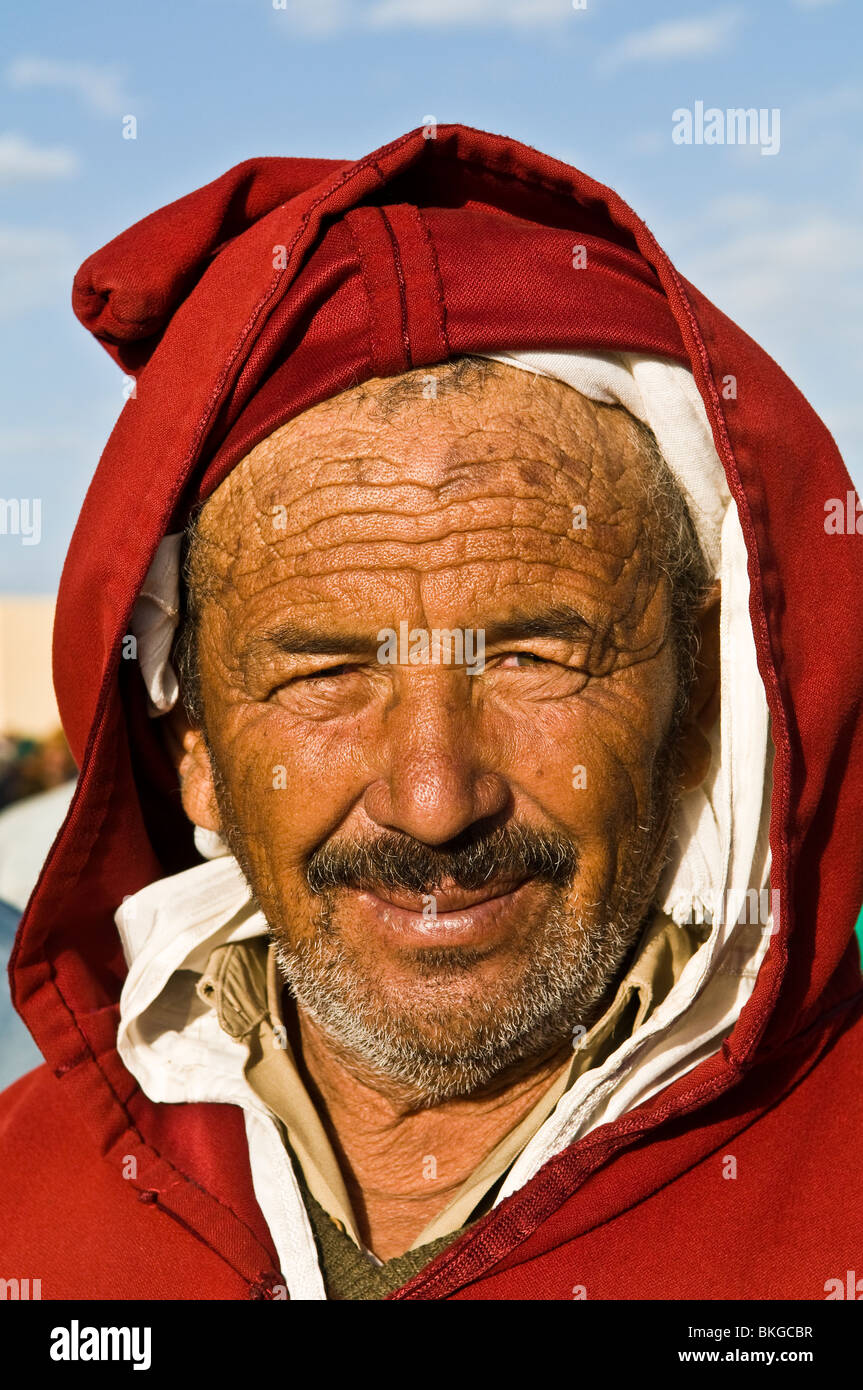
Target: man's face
453, 862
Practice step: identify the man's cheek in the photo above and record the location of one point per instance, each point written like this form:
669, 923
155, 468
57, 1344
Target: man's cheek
623, 728
600, 813
290, 787
580, 761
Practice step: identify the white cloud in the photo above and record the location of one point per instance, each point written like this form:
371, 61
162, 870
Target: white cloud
647, 142
16, 440
792, 276
19, 244
445, 14
768, 258
838, 101
98, 88
677, 38
20, 159
319, 19
324, 18
36, 266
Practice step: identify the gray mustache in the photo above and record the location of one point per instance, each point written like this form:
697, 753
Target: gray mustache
469, 862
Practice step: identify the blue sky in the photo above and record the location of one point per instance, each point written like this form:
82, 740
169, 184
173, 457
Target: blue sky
774, 240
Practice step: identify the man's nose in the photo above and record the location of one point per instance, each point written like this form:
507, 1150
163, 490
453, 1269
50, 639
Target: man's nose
432, 784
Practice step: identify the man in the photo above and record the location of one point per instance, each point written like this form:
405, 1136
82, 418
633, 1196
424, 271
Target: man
458, 896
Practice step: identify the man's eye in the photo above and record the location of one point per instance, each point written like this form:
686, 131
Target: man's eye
516, 659
327, 671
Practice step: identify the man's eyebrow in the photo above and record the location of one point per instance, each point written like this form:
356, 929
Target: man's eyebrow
302, 641
561, 622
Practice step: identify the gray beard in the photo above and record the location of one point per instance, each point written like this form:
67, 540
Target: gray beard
434, 1042
441, 1039
569, 971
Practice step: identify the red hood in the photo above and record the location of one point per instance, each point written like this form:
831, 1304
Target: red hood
288, 280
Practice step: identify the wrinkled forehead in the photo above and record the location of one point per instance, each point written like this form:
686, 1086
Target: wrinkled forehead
511, 451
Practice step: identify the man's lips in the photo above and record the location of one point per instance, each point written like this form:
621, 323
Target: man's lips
445, 900
482, 918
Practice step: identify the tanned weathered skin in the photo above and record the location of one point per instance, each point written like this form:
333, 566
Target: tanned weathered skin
453, 512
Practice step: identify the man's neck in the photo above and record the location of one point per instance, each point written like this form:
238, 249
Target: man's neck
402, 1164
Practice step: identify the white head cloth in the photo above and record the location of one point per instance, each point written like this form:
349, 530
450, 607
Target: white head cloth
720, 848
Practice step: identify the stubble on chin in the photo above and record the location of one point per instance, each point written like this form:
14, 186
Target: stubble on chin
440, 1030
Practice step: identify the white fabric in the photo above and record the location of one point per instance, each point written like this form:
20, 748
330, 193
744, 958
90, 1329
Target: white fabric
28, 829
173, 1044
178, 1052
154, 622
663, 395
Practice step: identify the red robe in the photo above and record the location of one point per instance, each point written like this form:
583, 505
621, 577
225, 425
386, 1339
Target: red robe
278, 285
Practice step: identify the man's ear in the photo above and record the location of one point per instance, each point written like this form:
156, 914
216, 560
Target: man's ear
704, 697
188, 750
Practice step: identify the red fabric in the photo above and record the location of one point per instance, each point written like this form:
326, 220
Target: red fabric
274, 287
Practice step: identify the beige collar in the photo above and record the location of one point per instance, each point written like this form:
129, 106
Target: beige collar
242, 984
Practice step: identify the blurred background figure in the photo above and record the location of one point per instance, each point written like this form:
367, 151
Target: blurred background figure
30, 765
36, 784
